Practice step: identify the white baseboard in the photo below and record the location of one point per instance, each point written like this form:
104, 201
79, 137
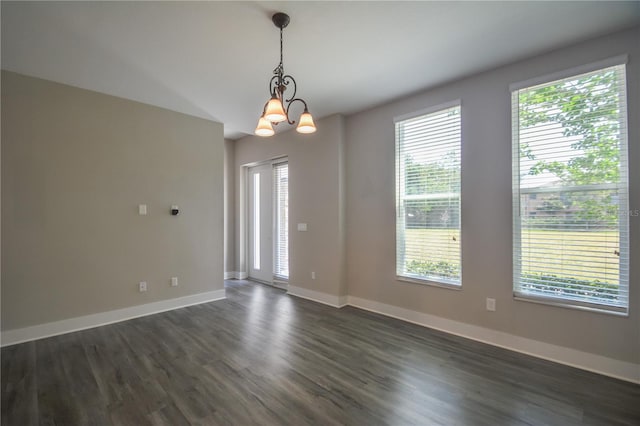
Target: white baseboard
41, 331
235, 275
586, 361
316, 296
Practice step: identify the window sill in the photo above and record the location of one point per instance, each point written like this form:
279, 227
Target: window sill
431, 283
567, 304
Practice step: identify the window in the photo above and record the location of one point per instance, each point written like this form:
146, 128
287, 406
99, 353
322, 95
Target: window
428, 196
256, 221
281, 205
570, 191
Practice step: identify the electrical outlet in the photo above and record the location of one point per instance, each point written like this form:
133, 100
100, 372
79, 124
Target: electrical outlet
491, 304
313, 275
142, 286
174, 281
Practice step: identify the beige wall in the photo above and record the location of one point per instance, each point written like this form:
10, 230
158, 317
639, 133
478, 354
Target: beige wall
229, 208
486, 209
316, 197
75, 166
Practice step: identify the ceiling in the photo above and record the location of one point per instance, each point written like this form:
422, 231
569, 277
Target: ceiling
214, 59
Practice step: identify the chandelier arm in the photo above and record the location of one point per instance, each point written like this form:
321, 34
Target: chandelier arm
289, 79
289, 106
273, 86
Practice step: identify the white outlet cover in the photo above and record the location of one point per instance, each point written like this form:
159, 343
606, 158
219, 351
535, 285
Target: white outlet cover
491, 304
302, 227
174, 281
142, 209
142, 286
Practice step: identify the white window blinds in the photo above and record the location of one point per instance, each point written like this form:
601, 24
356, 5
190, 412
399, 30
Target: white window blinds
281, 207
428, 196
570, 191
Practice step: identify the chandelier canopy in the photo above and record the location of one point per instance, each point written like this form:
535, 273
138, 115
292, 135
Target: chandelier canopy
276, 109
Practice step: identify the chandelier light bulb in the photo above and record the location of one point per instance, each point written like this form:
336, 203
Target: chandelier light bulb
264, 128
306, 124
275, 112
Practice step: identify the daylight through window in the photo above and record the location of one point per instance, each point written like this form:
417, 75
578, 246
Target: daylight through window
428, 196
570, 191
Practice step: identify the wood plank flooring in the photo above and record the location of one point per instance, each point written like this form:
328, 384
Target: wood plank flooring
261, 357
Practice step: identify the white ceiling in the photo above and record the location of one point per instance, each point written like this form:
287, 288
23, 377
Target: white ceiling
214, 59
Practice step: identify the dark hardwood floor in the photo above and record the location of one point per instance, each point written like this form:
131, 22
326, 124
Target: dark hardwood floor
261, 357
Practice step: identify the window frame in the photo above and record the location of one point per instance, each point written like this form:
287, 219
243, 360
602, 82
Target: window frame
452, 284
623, 184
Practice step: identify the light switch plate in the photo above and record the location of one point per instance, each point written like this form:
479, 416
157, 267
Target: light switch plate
142, 209
491, 304
302, 227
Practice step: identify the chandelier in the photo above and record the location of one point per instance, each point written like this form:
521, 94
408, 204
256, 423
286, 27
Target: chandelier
276, 109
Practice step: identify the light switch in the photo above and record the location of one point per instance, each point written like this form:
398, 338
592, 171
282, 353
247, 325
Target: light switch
174, 281
302, 227
142, 209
